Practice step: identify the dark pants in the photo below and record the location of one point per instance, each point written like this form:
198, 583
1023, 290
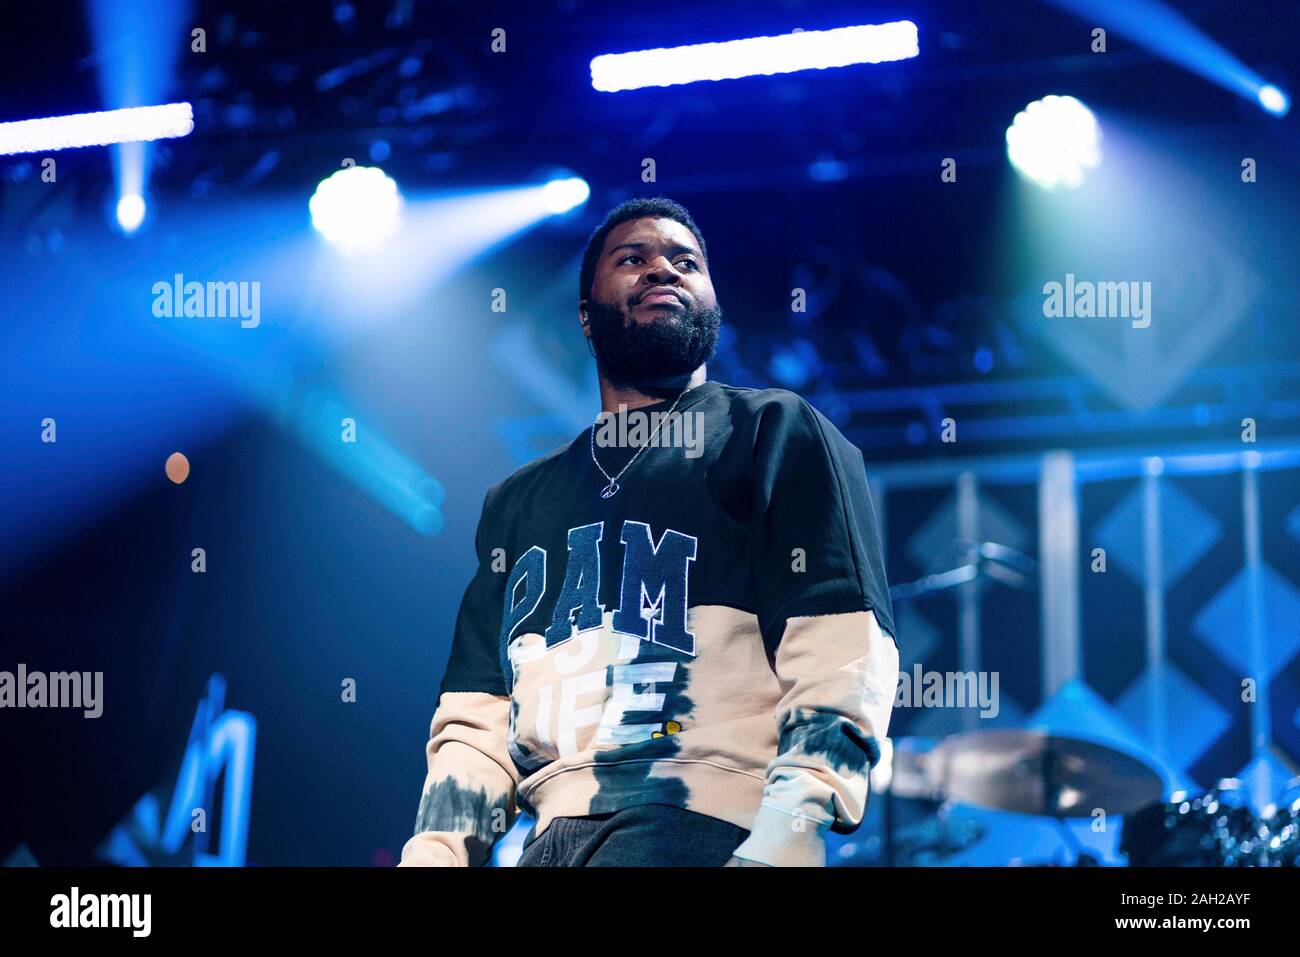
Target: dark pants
649, 835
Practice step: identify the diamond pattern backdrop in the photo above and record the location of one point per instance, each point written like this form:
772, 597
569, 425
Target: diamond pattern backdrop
1198, 735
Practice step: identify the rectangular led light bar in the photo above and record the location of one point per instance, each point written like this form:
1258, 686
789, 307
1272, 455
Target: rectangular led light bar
757, 56
96, 129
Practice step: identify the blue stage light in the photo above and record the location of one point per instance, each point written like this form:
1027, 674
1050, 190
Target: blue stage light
130, 212
1167, 32
562, 195
357, 208
1274, 100
1054, 142
756, 56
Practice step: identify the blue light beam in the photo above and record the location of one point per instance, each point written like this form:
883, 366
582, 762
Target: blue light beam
1167, 33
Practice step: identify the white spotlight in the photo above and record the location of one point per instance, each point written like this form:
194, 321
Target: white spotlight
130, 212
1054, 142
562, 195
356, 209
1274, 100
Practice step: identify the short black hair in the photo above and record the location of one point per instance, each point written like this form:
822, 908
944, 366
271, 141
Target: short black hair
656, 207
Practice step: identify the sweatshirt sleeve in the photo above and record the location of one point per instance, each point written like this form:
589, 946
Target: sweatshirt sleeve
468, 802
823, 606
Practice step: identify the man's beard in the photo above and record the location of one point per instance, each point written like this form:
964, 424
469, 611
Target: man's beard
662, 352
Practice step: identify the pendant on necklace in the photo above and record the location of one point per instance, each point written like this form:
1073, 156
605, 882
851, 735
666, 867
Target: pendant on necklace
610, 490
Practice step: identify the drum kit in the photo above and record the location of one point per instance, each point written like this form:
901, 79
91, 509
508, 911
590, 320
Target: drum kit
1217, 829
1058, 778
1055, 777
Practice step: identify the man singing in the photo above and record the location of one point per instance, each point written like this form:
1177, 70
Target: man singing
669, 656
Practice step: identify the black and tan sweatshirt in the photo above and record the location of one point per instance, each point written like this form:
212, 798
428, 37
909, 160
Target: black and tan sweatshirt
716, 635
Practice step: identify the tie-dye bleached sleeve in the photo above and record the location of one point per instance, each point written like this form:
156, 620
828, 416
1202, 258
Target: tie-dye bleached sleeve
838, 674
823, 603
468, 801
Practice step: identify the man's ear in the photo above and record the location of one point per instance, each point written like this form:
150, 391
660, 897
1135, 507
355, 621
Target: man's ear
586, 326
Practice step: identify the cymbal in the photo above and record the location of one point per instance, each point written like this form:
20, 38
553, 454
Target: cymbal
1034, 772
908, 774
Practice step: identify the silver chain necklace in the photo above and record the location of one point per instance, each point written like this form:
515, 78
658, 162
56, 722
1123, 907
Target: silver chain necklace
610, 490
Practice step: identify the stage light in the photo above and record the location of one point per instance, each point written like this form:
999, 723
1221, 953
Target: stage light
562, 195
756, 56
357, 208
376, 465
1054, 142
130, 212
138, 124
1274, 100
1168, 33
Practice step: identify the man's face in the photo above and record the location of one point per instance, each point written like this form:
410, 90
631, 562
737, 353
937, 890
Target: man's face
653, 314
